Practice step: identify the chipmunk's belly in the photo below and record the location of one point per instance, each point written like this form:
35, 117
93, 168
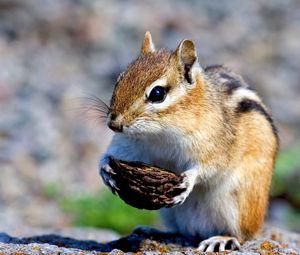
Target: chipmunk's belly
202, 215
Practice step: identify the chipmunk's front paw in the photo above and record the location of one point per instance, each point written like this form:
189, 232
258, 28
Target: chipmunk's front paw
187, 187
107, 174
219, 243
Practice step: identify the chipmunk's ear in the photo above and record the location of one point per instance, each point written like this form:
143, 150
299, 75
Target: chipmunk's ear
186, 56
147, 46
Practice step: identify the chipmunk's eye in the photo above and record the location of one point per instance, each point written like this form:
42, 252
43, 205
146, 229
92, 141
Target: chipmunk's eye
157, 94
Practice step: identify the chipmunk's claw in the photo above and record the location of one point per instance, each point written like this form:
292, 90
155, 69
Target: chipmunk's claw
184, 186
107, 173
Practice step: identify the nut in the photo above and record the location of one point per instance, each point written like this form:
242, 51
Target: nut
143, 186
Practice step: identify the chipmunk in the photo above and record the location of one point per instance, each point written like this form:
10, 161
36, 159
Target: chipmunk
205, 124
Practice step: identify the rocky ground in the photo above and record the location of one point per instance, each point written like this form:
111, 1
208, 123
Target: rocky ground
275, 241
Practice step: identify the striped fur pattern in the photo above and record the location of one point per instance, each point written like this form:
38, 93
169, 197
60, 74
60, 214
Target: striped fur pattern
212, 122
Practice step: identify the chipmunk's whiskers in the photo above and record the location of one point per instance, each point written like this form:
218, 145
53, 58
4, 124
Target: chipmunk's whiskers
92, 107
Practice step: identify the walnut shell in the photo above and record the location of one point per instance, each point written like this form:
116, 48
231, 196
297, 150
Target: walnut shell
143, 186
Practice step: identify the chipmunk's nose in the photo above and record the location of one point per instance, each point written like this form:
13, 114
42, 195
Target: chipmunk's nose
115, 125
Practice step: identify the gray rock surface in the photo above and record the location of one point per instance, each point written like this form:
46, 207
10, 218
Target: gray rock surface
103, 235
144, 241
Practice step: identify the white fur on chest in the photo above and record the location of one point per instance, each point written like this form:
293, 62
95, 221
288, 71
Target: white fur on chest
168, 155
162, 153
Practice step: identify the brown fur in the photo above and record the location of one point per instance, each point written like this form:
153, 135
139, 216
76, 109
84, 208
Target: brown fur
201, 112
255, 157
138, 76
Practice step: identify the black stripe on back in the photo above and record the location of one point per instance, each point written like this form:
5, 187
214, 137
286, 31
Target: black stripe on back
223, 76
247, 105
231, 84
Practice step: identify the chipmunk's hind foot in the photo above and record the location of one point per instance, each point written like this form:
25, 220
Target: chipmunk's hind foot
219, 244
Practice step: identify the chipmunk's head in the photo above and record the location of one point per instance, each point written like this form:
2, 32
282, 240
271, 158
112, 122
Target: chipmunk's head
153, 93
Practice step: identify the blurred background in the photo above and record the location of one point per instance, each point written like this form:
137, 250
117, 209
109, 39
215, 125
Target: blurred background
53, 53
